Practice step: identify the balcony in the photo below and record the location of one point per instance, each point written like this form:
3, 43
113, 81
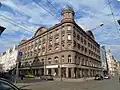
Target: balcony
37, 64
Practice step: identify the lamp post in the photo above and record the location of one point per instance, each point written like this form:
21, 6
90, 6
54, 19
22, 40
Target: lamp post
2, 29
17, 65
97, 27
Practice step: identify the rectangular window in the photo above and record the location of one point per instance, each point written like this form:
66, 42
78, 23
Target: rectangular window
78, 46
69, 27
69, 36
78, 37
62, 58
63, 37
81, 39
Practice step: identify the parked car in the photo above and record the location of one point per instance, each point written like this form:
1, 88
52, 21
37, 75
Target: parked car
106, 77
47, 77
98, 77
7, 85
29, 76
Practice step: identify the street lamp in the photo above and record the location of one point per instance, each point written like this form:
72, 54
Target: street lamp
2, 29
97, 26
118, 21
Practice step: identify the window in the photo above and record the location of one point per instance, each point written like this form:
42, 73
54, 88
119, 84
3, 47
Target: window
79, 60
74, 34
39, 46
88, 44
74, 43
36, 44
63, 37
89, 52
56, 48
69, 58
6, 86
82, 48
69, 27
49, 60
78, 46
57, 39
76, 59
81, 39
83, 61
50, 49
85, 42
69, 36
78, 37
85, 50
56, 59
42, 61
57, 31
62, 58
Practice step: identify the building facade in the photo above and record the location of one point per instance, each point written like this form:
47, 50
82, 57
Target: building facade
112, 63
118, 67
64, 50
8, 59
104, 60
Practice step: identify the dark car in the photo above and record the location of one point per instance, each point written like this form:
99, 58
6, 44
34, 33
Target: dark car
98, 77
7, 85
47, 77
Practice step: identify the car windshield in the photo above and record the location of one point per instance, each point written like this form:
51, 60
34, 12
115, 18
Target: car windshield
60, 44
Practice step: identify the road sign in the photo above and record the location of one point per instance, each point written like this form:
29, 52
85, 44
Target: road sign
19, 53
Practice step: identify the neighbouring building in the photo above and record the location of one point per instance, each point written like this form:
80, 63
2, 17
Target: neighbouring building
8, 59
112, 63
118, 67
64, 50
104, 60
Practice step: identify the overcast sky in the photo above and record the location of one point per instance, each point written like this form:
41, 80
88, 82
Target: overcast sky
22, 18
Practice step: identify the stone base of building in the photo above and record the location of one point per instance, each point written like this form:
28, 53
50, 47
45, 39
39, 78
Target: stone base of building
64, 72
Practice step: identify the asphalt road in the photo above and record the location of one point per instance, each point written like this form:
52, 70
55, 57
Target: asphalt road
110, 84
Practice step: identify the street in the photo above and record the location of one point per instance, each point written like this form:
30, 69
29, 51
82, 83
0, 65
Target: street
110, 84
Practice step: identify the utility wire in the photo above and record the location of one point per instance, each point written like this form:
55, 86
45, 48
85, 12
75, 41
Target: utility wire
51, 4
15, 23
113, 17
47, 10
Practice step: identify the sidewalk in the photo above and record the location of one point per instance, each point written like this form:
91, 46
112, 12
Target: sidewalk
74, 80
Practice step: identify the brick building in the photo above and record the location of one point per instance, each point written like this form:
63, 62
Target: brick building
63, 50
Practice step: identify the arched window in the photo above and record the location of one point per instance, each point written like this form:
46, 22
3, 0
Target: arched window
49, 60
56, 59
69, 58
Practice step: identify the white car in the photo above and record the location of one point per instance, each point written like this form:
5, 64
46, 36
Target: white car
106, 77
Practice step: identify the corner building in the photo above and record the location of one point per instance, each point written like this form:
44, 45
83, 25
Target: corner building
63, 50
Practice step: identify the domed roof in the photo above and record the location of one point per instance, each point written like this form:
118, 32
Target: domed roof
68, 9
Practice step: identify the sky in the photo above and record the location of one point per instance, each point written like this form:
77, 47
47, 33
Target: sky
22, 18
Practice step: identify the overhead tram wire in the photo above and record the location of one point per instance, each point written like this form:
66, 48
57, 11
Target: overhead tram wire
51, 4
113, 17
15, 23
47, 10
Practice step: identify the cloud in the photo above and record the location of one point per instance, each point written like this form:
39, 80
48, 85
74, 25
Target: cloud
31, 15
